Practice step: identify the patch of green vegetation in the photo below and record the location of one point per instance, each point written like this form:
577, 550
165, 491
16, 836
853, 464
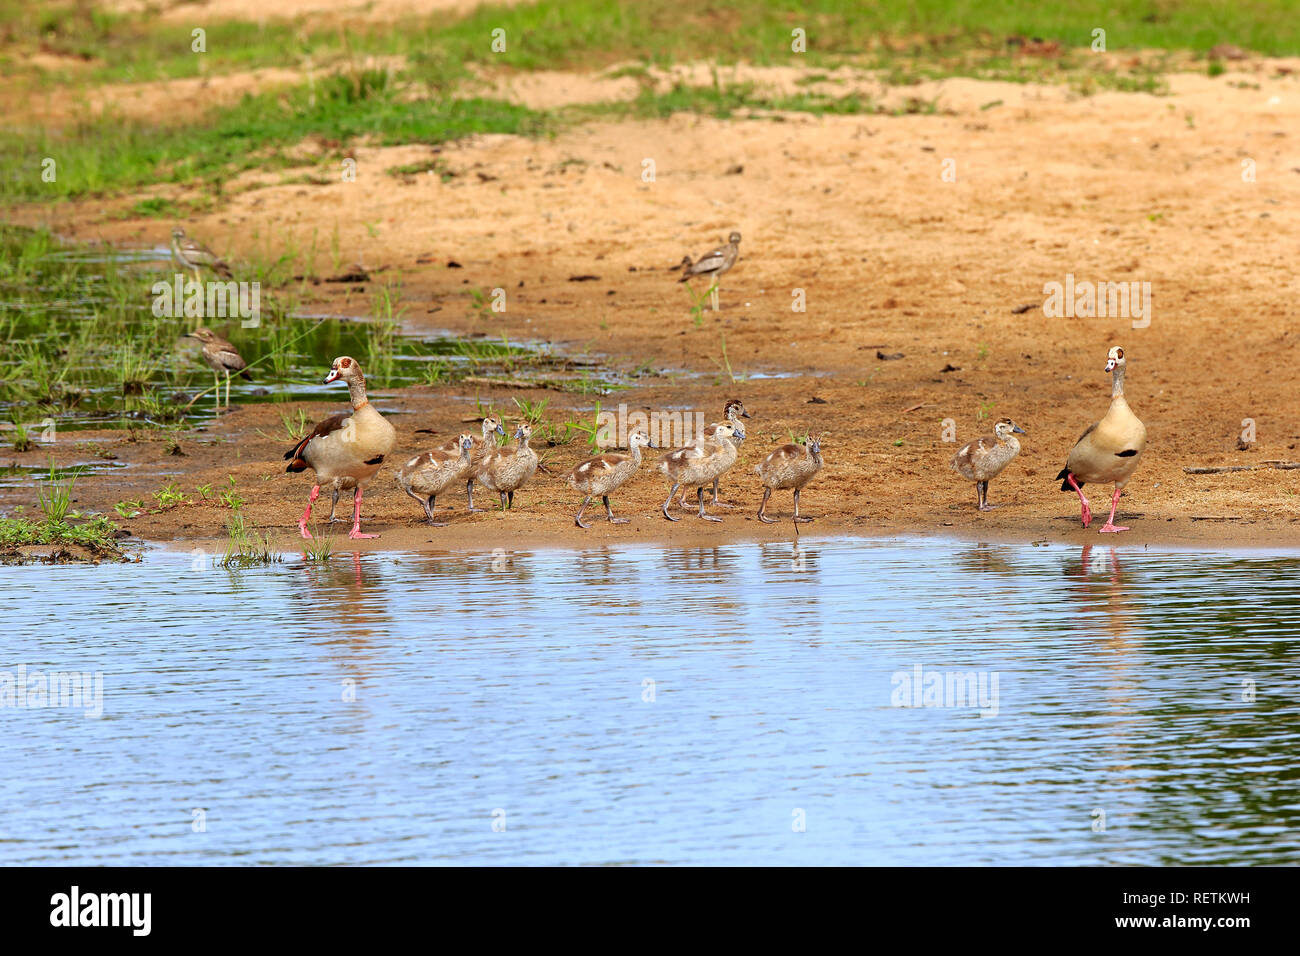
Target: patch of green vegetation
108, 154
246, 547
96, 535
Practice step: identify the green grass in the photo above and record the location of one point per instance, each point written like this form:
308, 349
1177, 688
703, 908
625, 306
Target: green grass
96, 533
909, 40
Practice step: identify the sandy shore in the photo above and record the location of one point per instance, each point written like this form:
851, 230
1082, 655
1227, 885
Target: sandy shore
892, 259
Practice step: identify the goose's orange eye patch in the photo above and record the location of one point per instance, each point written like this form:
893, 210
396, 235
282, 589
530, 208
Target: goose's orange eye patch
346, 363
1119, 353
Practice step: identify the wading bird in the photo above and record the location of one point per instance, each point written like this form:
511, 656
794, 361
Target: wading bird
713, 264
192, 254
221, 356
1109, 451
344, 450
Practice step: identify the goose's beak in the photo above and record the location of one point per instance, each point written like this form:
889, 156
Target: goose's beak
1018, 430
652, 445
334, 373
744, 415
501, 431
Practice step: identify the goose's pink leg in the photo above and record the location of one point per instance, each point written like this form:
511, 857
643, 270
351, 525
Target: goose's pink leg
356, 517
306, 515
1110, 522
1086, 513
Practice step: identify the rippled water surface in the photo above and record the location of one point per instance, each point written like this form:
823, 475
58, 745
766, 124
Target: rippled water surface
707, 705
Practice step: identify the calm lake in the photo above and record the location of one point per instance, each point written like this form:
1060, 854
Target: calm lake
853, 701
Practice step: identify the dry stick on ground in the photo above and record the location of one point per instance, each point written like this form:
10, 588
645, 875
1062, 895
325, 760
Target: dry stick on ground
1277, 465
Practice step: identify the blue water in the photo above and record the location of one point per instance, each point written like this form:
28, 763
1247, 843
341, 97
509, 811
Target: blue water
503, 714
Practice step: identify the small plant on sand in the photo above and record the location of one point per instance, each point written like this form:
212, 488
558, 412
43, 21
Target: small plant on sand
169, 496
54, 495
531, 412
245, 546
228, 497
697, 302
132, 506
318, 550
725, 365
296, 426
21, 439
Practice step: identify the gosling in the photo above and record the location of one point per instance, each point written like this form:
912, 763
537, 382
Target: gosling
790, 466
506, 469
491, 426
732, 413
984, 458
426, 476
696, 465
605, 473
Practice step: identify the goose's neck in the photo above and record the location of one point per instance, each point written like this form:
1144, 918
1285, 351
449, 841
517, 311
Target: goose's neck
357, 393
1117, 382
636, 457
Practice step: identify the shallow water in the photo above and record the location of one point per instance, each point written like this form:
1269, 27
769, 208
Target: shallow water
513, 688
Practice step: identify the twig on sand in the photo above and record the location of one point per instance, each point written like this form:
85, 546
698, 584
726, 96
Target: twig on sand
1277, 465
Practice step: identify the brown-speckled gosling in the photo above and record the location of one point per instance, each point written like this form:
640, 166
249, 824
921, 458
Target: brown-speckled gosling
605, 473
221, 356
790, 466
983, 459
491, 427
344, 450
732, 413
506, 469
696, 465
428, 475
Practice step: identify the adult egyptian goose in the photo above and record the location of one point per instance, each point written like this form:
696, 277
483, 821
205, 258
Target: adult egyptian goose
426, 476
790, 466
344, 450
732, 412
1109, 451
696, 465
714, 264
491, 426
221, 356
604, 473
984, 458
191, 254
506, 469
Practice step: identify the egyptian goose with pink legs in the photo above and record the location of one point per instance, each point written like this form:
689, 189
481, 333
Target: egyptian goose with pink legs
1109, 451
344, 450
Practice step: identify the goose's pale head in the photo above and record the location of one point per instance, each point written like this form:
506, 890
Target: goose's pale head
466, 442
345, 367
178, 233
734, 238
492, 424
639, 439
1114, 358
734, 408
1005, 427
524, 431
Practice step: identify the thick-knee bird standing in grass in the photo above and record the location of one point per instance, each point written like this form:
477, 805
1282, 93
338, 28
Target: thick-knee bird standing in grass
713, 264
191, 254
345, 449
696, 465
1109, 451
790, 466
605, 473
221, 356
984, 458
